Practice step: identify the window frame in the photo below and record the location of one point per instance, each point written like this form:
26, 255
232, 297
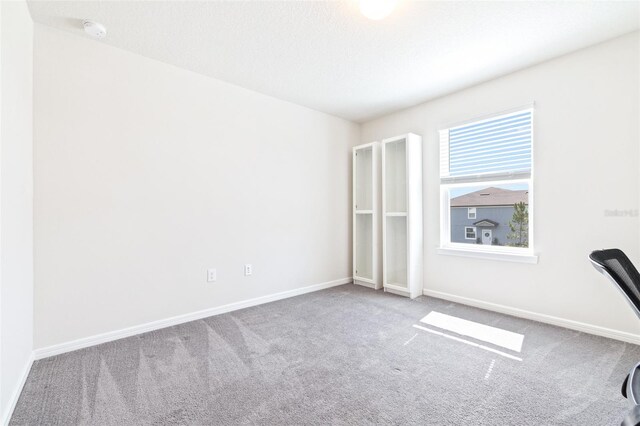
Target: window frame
505, 253
475, 233
475, 212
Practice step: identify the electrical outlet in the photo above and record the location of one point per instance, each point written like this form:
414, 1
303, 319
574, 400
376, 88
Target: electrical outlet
248, 270
212, 275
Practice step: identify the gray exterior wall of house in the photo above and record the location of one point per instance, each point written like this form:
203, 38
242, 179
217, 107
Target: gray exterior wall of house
459, 221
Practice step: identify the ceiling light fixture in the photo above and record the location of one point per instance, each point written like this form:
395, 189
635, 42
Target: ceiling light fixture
377, 9
94, 29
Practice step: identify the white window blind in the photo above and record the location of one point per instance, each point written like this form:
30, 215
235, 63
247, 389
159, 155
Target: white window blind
495, 147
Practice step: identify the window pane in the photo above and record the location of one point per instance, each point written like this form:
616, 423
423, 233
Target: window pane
470, 232
501, 214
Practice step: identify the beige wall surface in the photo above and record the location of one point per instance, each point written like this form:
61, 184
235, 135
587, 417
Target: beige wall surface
146, 175
16, 199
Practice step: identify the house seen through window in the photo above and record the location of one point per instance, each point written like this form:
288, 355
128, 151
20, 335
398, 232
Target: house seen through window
485, 172
494, 212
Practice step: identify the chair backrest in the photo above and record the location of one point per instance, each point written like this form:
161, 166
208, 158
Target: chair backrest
614, 264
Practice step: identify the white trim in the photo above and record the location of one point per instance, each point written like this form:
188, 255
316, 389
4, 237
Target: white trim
13, 400
473, 210
398, 290
365, 282
489, 179
482, 183
489, 255
109, 336
472, 180
535, 316
475, 233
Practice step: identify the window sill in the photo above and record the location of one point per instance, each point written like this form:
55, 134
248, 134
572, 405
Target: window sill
489, 255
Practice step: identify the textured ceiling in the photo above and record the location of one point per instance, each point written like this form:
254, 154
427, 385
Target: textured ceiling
328, 57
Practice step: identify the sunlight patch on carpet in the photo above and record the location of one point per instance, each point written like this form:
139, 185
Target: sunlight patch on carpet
467, 342
495, 336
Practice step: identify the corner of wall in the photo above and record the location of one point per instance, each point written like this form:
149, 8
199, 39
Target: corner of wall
16, 202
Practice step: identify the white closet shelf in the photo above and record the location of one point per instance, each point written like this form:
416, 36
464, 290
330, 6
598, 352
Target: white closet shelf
402, 212
366, 208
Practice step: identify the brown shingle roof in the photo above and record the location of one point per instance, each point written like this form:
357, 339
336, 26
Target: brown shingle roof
491, 197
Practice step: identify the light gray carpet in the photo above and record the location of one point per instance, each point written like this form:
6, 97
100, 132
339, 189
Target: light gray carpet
347, 355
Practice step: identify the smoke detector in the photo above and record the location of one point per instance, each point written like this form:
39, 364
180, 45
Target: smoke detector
94, 29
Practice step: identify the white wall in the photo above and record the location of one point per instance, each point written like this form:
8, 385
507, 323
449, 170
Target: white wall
586, 161
16, 200
147, 174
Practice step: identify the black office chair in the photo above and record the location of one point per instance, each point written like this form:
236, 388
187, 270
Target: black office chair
616, 266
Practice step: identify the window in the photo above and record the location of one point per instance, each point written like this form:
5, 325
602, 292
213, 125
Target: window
470, 232
486, 175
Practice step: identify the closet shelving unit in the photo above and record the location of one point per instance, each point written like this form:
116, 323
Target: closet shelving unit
402, 239
366, 208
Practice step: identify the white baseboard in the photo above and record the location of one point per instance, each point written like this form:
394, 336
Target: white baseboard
13, 400
180, 319
367, 283
547, 319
